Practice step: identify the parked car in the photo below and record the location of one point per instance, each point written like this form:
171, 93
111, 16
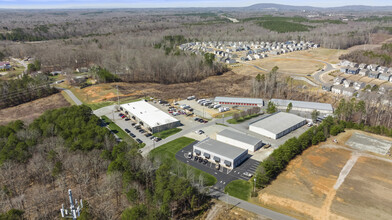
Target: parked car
132, 135
200, 132
127, 130
139, 141
189, 155
152, 137
205, 161
200, 159
248, 174
196, 119
196, 158
147, 135
121, 114
133, 124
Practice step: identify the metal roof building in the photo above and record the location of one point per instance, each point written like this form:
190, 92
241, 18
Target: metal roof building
149, 116
323, 108
239, 140
220, 153
239, 101
277, 125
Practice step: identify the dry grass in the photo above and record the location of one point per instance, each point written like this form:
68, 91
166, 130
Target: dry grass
305, 190
289, 65
27, 112
328, 55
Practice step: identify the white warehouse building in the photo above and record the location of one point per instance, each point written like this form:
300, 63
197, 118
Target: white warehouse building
149, 116
220, 153
239, 140
323, 108
239, 101
277, 125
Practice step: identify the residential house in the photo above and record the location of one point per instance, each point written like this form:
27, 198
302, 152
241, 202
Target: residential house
55, 73
385, 76
327, 87
362, 66
359, 85
82, 70
373, 67
364, 72
353, 71
382, 69
338, 80
275, 52
78, 79
347, 83
345, 63
231, 61
337, 89
5, 66
348, 92
343, 69
374, 74
251, 57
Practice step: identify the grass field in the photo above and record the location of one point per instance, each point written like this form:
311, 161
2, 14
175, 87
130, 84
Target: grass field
118, 131
239, 188
242, 119
169, 151
167, 133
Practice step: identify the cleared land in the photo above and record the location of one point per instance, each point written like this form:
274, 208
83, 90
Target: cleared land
289, 65
27, 112
365, 142
328, 55
239, 188
332, 182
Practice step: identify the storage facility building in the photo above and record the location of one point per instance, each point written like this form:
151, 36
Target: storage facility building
239, 140
239, 101
149, 116
218, 152
323, 108
277, 125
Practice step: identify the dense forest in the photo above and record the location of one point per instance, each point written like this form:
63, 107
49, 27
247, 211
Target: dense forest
25, 89
381, 56
69, 148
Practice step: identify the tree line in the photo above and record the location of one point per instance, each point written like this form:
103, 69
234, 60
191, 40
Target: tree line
25, 89
71, 148
381, 56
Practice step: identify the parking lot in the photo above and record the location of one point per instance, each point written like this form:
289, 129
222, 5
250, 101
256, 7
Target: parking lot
223, 175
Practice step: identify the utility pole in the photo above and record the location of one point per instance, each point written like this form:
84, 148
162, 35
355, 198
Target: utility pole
254, 185
118, 97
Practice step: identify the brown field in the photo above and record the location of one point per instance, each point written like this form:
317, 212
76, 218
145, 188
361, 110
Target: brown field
306, 189
328, 55
27, 112
226, 84
289, 65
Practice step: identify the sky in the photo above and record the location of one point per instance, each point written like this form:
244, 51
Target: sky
46, 4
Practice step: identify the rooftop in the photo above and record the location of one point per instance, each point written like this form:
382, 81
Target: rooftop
278, 122
239, 136
302, 104
148, 113
241, 100
220, 148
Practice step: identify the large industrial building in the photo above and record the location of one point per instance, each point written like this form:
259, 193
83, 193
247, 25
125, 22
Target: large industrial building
149, 116
239, 140
277, 125
218, 152
239, 101
323, 108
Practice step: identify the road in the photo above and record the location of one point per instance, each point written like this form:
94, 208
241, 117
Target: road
70, 94
248, 206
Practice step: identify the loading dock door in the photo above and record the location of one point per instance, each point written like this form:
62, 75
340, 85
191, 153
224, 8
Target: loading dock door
217, 159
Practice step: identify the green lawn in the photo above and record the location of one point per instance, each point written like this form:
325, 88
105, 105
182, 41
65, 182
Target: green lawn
167, 133
119, 132
240, 189
242, 119
170, 149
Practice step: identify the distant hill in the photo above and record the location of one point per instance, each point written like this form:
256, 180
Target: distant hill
279, 7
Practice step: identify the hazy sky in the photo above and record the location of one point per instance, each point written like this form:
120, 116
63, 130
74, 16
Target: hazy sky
176, 3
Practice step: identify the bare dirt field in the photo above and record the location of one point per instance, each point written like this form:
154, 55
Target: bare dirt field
226, 84
328, 55
27, 112
331, 181
365, 142
289, 65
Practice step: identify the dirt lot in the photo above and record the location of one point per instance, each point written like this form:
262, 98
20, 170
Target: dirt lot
322, 184
289, 65
225, 85
29, 111
328, 55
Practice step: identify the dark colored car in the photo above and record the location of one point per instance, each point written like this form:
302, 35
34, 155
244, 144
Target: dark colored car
147, 135
197, 119
200, 159
126, 130
196, 158
205, 161
132, 135
139, 141
133, 124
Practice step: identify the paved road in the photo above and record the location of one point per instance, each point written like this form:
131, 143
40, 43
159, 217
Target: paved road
71, 95
248, 206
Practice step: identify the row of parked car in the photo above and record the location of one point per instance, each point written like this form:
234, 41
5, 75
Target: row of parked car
201, 160
201, 120
140, 130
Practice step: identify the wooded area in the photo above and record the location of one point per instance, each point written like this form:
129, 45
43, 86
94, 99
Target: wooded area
381, 56
69, 148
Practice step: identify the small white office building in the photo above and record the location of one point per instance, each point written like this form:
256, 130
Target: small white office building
221, 153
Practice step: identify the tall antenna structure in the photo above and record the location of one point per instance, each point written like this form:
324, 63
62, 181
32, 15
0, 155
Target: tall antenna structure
74, 209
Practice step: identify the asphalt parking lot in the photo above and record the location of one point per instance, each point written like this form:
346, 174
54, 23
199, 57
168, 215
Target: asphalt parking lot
223, 175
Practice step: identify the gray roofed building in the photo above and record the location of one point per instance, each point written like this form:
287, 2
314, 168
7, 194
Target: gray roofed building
324, 108
239, 140
239, 101
277, 125
220, 152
